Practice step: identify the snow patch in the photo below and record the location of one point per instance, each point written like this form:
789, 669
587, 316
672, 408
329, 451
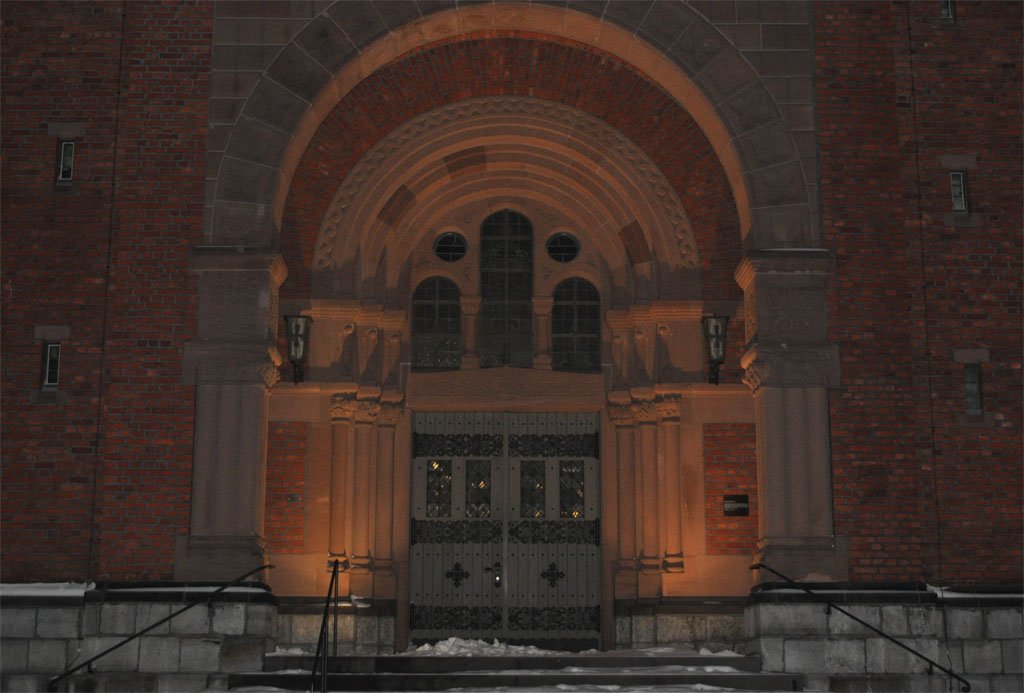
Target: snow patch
459, 647
45, 589
705, 652
290, 651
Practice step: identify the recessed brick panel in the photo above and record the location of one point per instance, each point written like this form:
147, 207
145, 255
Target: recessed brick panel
286, 486
730, 468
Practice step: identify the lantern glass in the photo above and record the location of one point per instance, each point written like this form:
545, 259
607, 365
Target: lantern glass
298, 336
714, 335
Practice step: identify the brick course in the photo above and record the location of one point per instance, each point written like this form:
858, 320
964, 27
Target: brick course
286, 486
730, 467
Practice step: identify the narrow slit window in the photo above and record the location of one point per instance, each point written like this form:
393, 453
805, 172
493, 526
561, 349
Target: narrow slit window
947, 10
65, 161
51, 364
972, 387
958, 190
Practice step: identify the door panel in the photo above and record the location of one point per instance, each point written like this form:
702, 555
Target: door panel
505, 527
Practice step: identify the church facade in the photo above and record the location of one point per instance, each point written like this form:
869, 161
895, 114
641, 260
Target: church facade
528, 315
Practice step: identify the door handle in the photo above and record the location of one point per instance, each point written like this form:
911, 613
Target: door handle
496, 569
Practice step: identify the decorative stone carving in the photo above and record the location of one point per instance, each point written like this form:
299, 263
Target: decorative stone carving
367, 411
620, 414
334, 221
343, 406
645, 412
668, 406
218, 363
798, 367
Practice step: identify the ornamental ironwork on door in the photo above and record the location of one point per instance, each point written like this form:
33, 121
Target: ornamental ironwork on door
505, 533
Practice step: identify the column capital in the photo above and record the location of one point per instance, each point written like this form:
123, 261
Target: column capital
792, 261
620, 414
208, 362
669, 407
347, 406
781, 366
209, 258
542, 305
470, 304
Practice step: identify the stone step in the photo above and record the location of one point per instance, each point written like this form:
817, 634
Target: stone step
743, 680
411, 664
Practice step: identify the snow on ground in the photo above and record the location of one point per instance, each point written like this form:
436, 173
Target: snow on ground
583, 688
45, 589
459, 647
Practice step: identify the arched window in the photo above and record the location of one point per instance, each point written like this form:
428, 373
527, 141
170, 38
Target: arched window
506, 291
436, 325
576, 327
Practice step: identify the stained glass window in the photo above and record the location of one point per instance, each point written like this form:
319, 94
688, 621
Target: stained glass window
571, 494
576, 327
531, 488
436, 325
506, 291
439, 488
478, 488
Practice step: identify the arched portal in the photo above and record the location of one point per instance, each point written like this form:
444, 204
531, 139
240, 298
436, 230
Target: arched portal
633, 165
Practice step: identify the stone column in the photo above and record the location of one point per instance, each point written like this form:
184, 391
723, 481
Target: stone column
232, 364
383, 568
363, 512
670, 500
645, 462
343, 409
621, 417
470, 306
542, 335
789, 367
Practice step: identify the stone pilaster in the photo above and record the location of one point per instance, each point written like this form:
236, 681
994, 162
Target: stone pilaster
384, 581
670, 499
365, 497
343, 409
789, 367
542, 308
645, 461
470, 306
232, 365
621, 417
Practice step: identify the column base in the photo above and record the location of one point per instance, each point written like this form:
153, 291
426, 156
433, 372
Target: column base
804, 559
218, 558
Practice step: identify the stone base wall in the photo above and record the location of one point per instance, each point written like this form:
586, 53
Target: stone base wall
716, 624
985, 644
364, 631
191, 652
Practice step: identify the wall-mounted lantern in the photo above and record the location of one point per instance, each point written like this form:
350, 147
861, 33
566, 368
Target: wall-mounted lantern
714, 340
298, 342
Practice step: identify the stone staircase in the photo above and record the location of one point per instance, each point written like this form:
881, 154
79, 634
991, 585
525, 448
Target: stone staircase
412, 673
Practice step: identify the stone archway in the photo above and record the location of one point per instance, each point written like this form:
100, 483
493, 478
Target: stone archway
261, 168
676, 46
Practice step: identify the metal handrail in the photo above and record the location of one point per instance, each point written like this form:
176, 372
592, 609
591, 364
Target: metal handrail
829, 604
52, 683
320, 658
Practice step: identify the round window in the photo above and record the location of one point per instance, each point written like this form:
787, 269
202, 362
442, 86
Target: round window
450, 247
562, 247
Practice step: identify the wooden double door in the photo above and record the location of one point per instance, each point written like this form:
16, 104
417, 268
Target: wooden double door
505, 528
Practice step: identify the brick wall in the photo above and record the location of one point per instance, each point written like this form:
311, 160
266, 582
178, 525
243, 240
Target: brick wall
54, 248
923, 492
286, 487
121, 444
730, 467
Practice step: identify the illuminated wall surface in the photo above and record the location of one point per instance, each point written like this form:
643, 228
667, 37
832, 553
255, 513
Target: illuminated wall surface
787, 165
